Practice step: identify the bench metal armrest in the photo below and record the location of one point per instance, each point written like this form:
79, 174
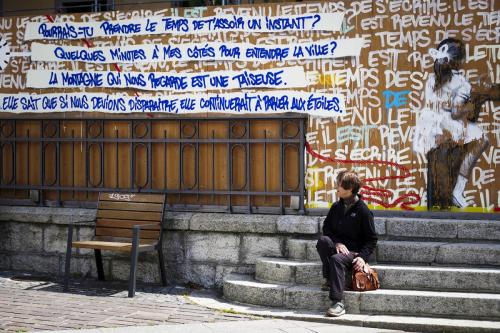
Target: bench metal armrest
136, 229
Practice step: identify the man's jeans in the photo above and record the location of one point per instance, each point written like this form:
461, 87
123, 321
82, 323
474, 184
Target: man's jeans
335, 266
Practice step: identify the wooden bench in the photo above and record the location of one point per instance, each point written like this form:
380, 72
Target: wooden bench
130, 223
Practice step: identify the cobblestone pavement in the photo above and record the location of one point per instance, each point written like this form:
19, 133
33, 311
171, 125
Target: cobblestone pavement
38, 303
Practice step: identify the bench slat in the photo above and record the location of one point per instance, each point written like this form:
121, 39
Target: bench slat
129, 215
131, 206
113, 246
132, 197
118, 232
116, 223
124, 240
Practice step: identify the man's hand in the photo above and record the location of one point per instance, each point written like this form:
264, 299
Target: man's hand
358, 264
341, 248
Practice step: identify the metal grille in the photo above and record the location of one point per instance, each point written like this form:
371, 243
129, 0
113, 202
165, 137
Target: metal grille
251, 165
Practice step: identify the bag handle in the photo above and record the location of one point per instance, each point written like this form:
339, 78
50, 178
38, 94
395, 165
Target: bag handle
366, 269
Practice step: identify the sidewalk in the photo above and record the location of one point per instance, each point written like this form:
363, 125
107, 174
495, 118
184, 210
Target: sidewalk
27, 305
36, 303
254, 326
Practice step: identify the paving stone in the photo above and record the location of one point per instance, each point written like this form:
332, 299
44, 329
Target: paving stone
40, 305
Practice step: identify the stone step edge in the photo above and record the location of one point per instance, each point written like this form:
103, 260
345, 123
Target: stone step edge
236, 278
312, 242
391, 266
209, 299
243, 288
437, 252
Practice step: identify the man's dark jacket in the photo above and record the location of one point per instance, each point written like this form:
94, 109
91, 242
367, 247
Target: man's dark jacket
354, 228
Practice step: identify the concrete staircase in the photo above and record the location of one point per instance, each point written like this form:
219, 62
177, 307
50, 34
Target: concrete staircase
428, 269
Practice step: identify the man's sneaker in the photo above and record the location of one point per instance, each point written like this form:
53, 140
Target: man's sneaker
337, 309
325, 286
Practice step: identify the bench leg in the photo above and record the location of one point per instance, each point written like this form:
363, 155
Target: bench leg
162, 265
67, 264
98, 263
133, 263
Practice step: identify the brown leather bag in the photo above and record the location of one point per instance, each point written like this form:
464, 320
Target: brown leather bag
365, 280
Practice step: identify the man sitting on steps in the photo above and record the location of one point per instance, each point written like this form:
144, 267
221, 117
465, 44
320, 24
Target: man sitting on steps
348, 239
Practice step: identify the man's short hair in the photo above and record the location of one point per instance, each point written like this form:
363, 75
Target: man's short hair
349, 180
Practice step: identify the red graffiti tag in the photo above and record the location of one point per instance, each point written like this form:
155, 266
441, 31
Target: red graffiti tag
370, 193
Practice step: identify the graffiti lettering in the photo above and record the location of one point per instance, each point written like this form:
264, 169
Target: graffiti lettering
354, 133
276, 101
207, 51
482, 177
96, 27
395, 98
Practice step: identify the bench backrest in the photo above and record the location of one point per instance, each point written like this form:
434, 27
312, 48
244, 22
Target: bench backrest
117, 213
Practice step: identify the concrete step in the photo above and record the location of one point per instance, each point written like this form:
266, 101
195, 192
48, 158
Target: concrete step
487, 280
407, 252
209, 299
433, 229
470, 254
244, 289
